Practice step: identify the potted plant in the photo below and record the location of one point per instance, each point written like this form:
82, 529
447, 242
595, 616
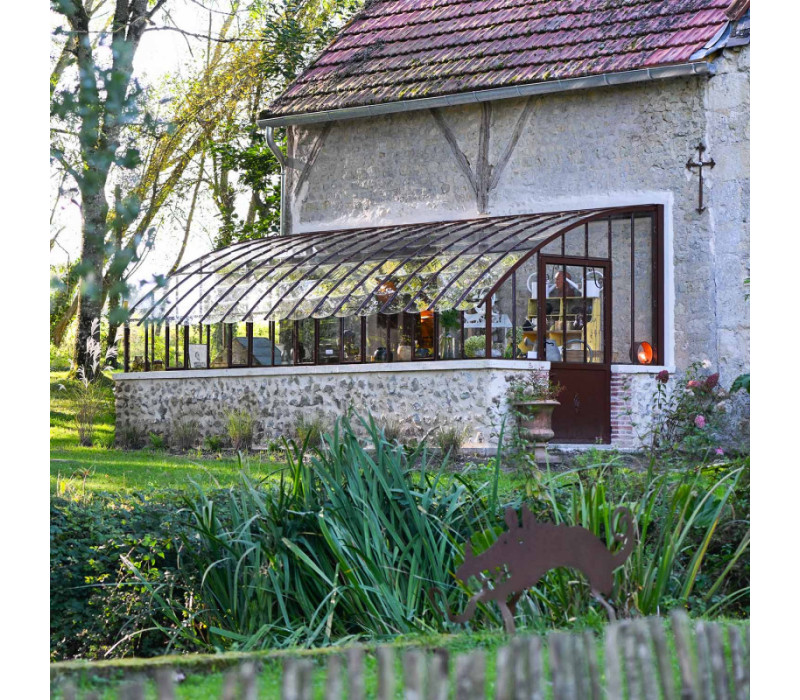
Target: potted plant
404, 348
533, 400
449, 321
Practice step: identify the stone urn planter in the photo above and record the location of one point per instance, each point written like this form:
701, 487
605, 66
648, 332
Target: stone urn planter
535, 420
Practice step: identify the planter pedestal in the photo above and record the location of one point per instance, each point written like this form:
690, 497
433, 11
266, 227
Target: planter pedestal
535, 425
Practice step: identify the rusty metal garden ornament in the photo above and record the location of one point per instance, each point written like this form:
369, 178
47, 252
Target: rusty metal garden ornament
527, 551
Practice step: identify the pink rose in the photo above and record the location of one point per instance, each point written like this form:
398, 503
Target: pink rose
719, 451
700, 421
693, 384
662, 376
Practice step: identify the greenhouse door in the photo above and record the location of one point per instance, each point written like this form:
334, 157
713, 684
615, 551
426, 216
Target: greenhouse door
577, 318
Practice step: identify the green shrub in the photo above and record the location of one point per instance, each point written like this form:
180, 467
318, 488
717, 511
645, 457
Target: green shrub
308, 430
157, 442
475, 346
129, 437
213, 443
59, 359
449, 439
95, 601
185, 433
240, 428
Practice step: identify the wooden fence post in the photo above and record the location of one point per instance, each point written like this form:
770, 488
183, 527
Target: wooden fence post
355, 674
683, 646
535, 668
504, 674
521, 663
662, 657
741, 672
385, 656
647, 668
333, 678
471, 676
165, 684
719, 667
249, 681
703, 659
438, 685
594, 670
613, 677
413, 665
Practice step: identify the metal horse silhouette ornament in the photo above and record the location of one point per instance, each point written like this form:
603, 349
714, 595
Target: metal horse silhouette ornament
524, 553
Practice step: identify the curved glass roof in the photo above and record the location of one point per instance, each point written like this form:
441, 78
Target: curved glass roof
388, 269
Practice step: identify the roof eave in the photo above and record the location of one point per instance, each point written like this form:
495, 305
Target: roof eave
640, 75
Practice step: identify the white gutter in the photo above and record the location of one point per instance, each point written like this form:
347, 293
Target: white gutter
548, 87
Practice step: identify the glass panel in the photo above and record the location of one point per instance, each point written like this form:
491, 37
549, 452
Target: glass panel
423, 335
449, 334
305, 341
263, 346
238, 344
621, 291
400, 341
554, 312
198, 348
598, 239
502, 312
352, 338
377, 338
284, 342
643, 323
575, 242
329, 337
527, 309
218, 342
475, 332
594, 317
136, 348
575, 313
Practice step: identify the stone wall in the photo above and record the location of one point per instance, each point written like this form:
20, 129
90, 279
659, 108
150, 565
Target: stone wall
469, 394
466, 393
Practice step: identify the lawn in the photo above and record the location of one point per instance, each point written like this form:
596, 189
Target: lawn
104, 468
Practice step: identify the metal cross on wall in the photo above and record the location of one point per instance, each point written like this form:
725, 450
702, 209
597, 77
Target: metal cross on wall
700, 164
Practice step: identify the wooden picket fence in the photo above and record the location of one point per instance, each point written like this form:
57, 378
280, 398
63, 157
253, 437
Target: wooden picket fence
634, 662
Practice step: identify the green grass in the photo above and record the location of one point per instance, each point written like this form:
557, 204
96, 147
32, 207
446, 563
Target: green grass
104, 468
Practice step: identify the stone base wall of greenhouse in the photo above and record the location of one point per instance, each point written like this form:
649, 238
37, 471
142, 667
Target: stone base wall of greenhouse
417, 398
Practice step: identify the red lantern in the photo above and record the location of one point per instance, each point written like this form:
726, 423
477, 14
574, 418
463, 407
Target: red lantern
643, 353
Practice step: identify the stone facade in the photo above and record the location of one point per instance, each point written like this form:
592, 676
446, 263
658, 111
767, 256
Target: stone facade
612, 146
469, 394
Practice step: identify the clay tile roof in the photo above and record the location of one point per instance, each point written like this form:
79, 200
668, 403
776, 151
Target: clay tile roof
402, 49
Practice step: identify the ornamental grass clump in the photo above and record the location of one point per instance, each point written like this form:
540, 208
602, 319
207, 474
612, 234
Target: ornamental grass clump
240, 425
340, 544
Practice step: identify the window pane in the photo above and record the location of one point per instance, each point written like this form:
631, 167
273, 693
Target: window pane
377, 338
400, 329
621, 290
643, 322
527, 309
329, 341
423, 335
575, 242
449, 334
595, 314
475, 332
136, 348
263, 346
218, 341
574, 319
238, 344
305, 341
598, 239
352, 339
502, 312
284, 342
555, 288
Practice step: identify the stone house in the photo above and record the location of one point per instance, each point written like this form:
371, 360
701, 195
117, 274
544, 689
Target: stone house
472, 190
